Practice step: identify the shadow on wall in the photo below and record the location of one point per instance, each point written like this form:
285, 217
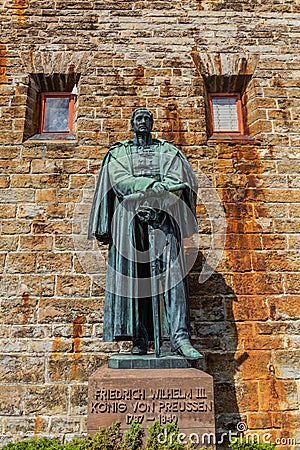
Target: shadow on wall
214, 333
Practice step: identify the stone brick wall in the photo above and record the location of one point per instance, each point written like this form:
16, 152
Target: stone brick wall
165, 55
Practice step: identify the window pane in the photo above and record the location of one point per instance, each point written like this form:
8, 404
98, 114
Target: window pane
56, 115
225, 114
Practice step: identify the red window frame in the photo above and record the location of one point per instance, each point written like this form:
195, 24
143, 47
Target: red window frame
46, 95
240, 131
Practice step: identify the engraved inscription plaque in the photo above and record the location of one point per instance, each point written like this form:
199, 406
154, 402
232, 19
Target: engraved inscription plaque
145, 396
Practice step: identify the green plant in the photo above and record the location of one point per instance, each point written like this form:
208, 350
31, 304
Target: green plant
133, 437
152, 442
249, 443
113, 438
34, 444
109, 438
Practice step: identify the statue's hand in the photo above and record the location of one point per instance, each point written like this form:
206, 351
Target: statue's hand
158, 187
148, 214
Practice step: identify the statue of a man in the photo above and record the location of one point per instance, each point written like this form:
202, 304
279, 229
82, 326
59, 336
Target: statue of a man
144, 206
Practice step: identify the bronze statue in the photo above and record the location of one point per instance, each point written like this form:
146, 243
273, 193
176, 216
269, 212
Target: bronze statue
144, 205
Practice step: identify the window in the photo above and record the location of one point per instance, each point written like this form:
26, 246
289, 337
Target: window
51, 107
57, 112
226, 117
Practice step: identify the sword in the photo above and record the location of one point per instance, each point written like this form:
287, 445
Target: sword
154, 281
154, 291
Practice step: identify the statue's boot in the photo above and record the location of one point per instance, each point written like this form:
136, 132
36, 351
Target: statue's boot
188, 351
140, 347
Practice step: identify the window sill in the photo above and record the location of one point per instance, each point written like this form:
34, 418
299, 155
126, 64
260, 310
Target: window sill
240, 139
52, 137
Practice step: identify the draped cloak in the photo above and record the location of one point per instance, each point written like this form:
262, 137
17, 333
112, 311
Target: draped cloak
113, 221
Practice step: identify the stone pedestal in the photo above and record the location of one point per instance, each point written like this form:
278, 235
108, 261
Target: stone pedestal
149, 361
148, 395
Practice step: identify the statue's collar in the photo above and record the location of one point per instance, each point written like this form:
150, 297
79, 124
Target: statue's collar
138, 144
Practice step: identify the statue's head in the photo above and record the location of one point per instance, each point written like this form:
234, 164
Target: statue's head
142, 120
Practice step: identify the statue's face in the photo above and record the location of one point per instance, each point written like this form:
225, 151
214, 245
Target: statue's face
142, 123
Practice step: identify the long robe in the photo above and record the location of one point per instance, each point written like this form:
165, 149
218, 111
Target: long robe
121, 189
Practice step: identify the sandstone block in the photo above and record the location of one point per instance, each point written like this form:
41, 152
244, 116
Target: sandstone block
69, 196
30, 331
2, 262
54, 262
4, 181
14, 152
8, 243
61, 345
36, 242
243, 241
44, 166
277, 327
79, 399
287, 364
30, 210
294, 210
11, 400
72, 151
293, 241
16, 227
63, 243
208, 308
38, 285
247, 396
221, 285
7, 211
22, 369
72, 285
285, 306
86, 262
52, 227
33, 150
292, 283
16, 310
46, 400
66, 309
67, 425
258, 283
287, 225
263, 342
78, 181
273, 260
237, 261
274, 241
17, 195
26, 428
18, 346
14, 166
284, 420
74, 367
252, 307
221, 367
275, 394
23, 262
56, 210
255, 365
45, 195
74, 166
259, 421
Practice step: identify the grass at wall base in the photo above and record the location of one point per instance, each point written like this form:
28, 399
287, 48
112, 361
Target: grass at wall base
113, 438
